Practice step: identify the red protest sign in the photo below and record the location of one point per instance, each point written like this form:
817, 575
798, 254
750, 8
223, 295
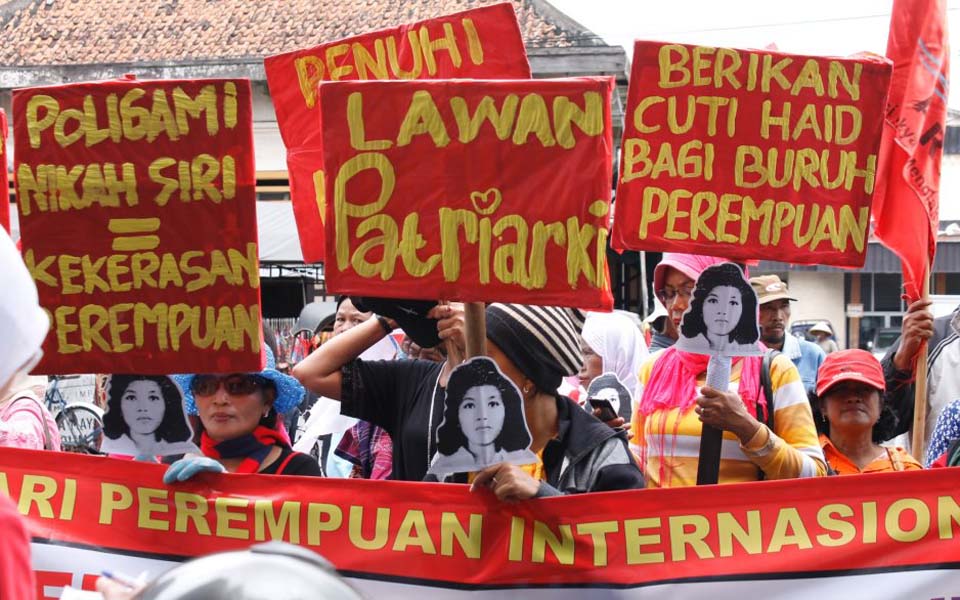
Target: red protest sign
749, 154
138, 221
482, 43
474, 191
4, 181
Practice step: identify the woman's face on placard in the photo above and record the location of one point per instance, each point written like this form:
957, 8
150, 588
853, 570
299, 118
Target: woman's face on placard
722, 309
612, 396
481, 414
142, 406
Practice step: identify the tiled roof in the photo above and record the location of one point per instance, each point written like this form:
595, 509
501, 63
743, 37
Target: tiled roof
78, 32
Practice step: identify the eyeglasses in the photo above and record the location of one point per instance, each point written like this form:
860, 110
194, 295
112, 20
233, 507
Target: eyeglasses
668, 295
236, 384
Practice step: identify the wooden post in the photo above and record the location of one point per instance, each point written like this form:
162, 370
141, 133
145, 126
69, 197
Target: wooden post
475, 321
918, 445
853, 323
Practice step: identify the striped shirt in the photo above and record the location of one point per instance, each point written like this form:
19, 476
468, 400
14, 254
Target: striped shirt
792, 449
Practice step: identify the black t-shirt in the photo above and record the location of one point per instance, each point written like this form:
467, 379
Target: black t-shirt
396, 395
298, 464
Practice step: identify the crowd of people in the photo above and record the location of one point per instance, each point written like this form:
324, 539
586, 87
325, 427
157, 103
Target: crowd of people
797, 409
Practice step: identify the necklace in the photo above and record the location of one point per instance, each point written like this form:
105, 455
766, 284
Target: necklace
433, 397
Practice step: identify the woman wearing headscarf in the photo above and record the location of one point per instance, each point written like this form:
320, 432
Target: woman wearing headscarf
24, 326
669, 419
535, 347
25, 421
612, 343
240, 424
853, 418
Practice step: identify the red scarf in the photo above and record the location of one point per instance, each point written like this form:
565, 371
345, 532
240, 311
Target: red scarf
253, 447
673, 384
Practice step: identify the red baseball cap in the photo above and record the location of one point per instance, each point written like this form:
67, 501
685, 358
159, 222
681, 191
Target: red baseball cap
850, 365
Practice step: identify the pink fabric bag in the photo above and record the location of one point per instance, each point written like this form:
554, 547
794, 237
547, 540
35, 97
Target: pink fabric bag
26, 423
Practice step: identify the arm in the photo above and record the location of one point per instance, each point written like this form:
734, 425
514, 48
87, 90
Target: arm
792, 449
320, 372
899, 362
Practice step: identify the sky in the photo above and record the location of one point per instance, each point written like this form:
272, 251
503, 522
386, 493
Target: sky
821, 27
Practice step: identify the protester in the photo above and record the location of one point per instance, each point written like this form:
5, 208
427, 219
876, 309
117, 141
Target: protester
409, 349
673, 281
407, 399
322, 431
368, 447
240, 425
774, 299
24, 420
404, 397
662, 333
536, 347
262, 572
24, 326
945, 433
611, 343
853, 418
943, 360
824, 336
668, 422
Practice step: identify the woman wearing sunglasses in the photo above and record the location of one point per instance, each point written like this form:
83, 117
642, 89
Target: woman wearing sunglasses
240, 424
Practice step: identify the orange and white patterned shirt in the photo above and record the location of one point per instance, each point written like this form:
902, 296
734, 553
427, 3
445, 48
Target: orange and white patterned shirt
791, 450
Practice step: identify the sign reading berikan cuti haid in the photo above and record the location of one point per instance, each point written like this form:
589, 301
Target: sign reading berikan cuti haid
138, 221
750, 153
469, 190
482, 43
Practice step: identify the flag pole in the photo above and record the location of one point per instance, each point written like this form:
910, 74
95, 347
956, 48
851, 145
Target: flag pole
918, 443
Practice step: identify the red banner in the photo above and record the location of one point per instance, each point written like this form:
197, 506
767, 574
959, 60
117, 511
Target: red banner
473, 191
138, 222
812, 538
482, 43
750, 154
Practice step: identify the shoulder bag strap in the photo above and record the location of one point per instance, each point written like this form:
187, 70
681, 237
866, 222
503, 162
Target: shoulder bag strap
766, 383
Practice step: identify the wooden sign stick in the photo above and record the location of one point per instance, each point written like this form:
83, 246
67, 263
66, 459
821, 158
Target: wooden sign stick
475, 317
918, 445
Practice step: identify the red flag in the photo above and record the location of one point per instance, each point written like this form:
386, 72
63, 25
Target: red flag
906, 201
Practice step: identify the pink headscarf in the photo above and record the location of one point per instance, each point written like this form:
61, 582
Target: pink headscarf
690, 265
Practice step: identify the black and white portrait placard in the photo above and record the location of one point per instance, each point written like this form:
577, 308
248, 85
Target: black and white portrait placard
483, 421
145, 417
722, 319
608, 389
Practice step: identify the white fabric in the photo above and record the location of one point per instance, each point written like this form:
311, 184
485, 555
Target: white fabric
619, 343
22, 321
